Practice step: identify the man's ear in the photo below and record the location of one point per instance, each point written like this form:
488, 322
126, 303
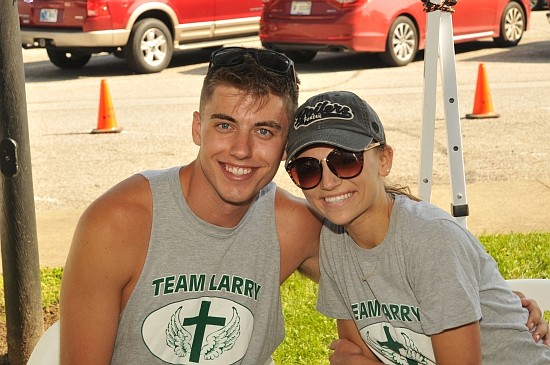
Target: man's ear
284, 155
196, 128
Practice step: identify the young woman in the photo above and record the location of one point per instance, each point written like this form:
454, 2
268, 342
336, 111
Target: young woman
406, 282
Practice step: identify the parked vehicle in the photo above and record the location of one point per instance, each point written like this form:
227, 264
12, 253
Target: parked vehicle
538, 4
395, 29
144, 32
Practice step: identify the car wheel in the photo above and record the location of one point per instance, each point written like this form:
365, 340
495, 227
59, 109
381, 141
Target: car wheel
68, 60
301, 56
402, 43
150, 47
512, 25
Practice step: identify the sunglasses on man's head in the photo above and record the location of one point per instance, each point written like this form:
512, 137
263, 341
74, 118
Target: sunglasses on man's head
307, 172
268, 59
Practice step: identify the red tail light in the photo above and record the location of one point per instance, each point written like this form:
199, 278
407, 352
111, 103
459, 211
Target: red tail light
98, 8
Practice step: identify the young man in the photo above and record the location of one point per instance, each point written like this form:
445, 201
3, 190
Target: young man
184, 265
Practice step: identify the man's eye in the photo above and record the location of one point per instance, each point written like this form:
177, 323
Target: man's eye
265, 132
223, 125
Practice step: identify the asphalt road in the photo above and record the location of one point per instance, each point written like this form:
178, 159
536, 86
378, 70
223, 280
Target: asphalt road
507, 159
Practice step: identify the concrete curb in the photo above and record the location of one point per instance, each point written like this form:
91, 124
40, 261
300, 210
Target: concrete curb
495, 207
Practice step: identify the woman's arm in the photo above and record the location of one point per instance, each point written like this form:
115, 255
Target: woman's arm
458, 346
350, 349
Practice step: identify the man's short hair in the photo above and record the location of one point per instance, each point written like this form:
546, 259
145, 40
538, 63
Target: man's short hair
254, 80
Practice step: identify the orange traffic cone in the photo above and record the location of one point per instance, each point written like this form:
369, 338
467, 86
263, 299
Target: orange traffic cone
483, 106
106, 121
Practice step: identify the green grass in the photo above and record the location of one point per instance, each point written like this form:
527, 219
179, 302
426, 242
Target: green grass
50, 283
308, 333
520, 255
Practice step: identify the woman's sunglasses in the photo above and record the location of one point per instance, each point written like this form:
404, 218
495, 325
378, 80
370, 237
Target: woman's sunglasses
268, 59
307, 172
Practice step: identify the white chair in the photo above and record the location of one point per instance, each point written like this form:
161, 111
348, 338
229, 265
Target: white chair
537, 289
46, 351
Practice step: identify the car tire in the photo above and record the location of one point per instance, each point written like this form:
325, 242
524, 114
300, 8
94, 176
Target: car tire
301, 56
512, 25
150, 47
68, 60
401, 44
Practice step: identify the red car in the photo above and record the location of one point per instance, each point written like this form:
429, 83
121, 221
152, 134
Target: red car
394, 28
144, 32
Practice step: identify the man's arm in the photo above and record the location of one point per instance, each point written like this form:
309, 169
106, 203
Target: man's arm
536, 319
105, 256
298, 229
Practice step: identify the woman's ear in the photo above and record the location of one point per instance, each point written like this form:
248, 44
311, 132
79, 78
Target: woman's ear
386, 160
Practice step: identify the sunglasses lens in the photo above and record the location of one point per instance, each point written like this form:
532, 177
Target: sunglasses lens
345, 164
274, 61
228, 56
305, 172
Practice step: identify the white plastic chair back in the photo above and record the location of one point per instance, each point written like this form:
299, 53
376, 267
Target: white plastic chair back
46, 351
537, 289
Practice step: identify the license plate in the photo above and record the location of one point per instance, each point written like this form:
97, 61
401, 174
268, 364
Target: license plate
300, 8
48, 15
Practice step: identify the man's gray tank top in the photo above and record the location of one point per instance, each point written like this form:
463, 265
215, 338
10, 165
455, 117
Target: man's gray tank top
206, 294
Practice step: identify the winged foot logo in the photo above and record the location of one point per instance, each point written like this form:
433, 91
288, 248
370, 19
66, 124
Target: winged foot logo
322, 110
199, 331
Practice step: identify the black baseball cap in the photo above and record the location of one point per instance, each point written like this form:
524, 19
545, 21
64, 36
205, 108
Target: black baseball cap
337, 118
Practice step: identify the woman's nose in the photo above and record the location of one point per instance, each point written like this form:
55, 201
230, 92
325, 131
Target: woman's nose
328, 179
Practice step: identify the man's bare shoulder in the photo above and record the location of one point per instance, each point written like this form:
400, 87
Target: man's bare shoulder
123, 204
118, 222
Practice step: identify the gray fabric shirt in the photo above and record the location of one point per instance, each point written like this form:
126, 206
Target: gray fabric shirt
206, 294
428, 275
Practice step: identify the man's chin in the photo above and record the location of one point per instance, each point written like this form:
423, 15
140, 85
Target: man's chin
239, 198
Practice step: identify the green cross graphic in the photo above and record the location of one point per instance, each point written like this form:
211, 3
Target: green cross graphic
201, 321
395, 346
390, 343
